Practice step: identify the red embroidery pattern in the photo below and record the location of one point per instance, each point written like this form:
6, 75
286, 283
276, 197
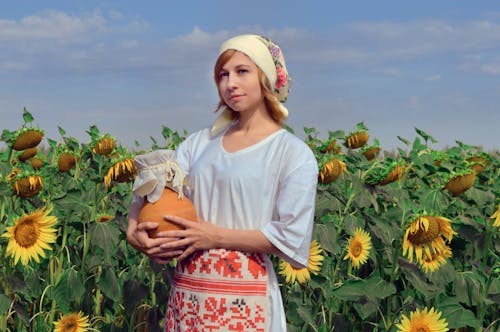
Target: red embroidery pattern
219, 290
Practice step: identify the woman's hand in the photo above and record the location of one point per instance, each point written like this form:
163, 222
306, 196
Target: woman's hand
138, 237
199, 235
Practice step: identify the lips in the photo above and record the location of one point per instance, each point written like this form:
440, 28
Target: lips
235, 97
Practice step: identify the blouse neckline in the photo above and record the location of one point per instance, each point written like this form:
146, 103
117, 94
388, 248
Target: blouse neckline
250, 147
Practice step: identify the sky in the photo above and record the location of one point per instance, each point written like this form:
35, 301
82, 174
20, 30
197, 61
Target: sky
131, 67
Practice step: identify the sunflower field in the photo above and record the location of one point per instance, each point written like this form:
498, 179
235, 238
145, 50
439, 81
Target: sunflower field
405, 240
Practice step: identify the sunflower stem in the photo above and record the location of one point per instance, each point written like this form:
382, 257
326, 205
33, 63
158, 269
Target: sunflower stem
9, 155
85, 246
52, 311
348, 204
152, 289
97, 302
384, 321
98, 296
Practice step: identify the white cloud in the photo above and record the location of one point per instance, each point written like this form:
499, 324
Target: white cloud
482, 64
375, 43
92, 42
50, 25
129, 44
455, 103
433, 78
388, 71
491, 68
115, 15
14, 66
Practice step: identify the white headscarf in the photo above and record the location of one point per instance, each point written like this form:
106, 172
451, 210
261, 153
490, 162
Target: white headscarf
269, 58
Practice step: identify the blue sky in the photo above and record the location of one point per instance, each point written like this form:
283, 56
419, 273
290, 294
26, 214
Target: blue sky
130, 67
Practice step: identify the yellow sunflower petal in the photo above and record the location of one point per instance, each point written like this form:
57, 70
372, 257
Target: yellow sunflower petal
74, 322
30, 236
302, 275
358, 248
423, 320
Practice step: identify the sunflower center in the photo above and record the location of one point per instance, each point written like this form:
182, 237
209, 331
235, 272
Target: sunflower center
422, 236
26, 233
356, 248
104, 218
422, 329
70, 326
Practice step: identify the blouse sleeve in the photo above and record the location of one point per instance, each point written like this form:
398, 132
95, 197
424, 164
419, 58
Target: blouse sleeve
191, 146
291, 232
182, 155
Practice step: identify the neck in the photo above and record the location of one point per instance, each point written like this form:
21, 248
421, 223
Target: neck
255, 121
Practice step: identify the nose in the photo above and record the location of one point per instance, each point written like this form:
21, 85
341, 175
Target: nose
232, 81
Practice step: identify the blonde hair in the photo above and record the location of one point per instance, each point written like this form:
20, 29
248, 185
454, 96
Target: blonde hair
270, 98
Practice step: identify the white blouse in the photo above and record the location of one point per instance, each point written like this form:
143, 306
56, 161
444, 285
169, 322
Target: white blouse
270, 186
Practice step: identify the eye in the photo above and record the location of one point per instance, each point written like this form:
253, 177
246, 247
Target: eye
243, 71
223, 73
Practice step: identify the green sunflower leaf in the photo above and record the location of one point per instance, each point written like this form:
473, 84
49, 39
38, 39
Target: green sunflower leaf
70, 289
4, 303
456, 315
328, 238
108, 284
28, 118
62, 132
105, 236
404, 140
425, 136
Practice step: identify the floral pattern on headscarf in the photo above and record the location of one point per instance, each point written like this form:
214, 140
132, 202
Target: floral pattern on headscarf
282, 85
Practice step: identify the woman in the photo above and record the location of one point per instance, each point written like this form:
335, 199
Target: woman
253, 185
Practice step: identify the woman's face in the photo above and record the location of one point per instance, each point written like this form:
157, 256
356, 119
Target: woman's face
239, 84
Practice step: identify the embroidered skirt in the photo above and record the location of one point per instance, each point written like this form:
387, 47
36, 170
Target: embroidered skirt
219, 290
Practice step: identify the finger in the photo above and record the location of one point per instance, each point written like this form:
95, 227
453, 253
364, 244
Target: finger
147, 225
176, 220
150, 243
185, 254
178, 244
171, 234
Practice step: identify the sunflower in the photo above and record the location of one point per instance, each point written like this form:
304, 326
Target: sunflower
425, 236
27, 185
30, 235
478, 163
28, 153
423, 320
122, 171
371, 153
66, 161
331, 170
104, 217
36, 163
27, 138
331, 146
496, 216
460, 181
358, 138
104, 146
73, 322
302, 275
358, 247
385, 172
433, 261
13, 174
